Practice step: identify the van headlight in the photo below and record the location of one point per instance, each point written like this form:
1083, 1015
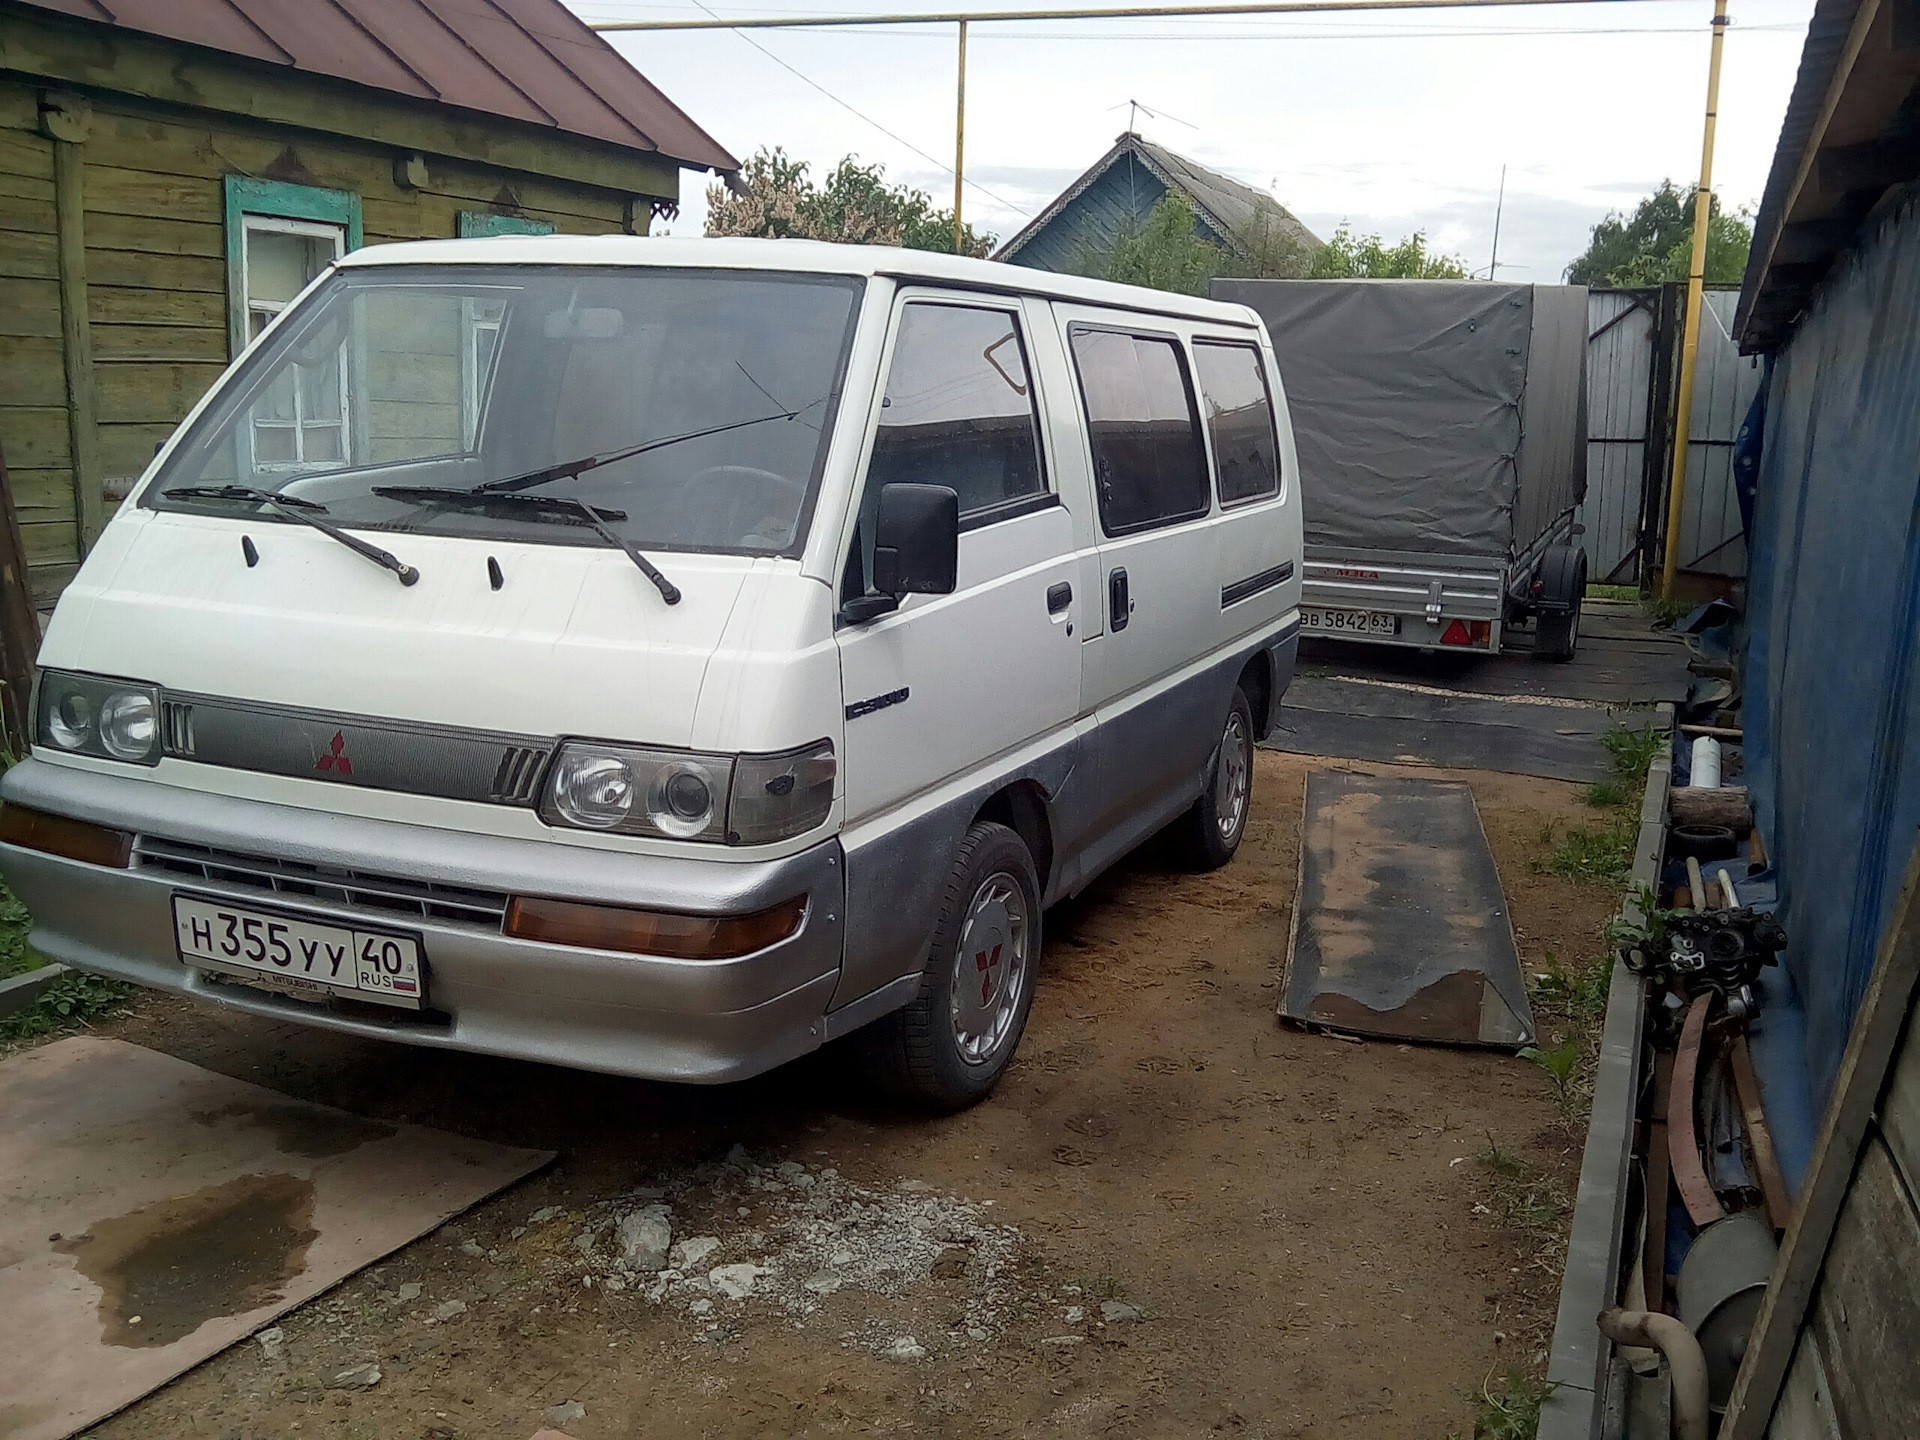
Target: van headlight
731, 799
90, 715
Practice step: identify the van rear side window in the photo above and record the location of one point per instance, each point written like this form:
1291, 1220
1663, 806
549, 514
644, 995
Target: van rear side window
1233, 390
1149, 466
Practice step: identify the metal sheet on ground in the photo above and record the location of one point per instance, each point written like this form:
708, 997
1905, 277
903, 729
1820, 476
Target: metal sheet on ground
1400, 928
1423, 725
152, 1213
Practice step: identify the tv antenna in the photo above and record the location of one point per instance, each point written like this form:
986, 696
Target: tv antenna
1135, 108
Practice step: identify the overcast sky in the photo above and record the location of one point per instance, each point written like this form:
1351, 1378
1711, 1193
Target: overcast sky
1387, 123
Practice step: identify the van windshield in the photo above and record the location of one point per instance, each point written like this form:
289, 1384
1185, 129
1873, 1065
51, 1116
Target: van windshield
702, 397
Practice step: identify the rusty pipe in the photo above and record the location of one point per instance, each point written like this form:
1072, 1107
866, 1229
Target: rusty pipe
1685, 1363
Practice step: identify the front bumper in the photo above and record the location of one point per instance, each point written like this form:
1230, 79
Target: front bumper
657, 1018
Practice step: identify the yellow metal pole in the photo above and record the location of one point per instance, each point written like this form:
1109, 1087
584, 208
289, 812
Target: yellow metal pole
959, 137
1690, 324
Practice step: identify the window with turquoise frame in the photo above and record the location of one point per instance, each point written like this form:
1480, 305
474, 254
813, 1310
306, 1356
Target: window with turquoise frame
481, 319
280, 237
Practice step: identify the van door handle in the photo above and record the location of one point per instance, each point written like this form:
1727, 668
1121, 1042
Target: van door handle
1059, 597
1119, 607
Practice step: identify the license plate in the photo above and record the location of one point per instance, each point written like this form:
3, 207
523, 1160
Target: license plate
1349, 622
297, 953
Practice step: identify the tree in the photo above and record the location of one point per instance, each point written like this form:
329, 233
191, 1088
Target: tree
1165, 252
1655, 243
1368, 257
855, 207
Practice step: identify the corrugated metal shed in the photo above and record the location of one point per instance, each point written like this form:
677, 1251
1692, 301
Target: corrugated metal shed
528, 60
1119, 190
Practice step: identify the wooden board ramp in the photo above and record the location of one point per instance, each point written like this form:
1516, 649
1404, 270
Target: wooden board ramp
152, 1213
1400, 927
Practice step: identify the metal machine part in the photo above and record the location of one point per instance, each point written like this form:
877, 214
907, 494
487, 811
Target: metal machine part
1722, 1282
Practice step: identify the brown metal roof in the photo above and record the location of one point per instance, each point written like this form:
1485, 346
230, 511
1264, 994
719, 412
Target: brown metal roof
528, 60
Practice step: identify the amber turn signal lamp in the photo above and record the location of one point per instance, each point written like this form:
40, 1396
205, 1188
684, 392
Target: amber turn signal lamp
652, 932
69, 839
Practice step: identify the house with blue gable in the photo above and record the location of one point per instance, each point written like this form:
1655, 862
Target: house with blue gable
1115, 196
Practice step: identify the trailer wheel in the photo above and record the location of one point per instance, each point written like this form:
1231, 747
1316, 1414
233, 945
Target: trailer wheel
1563, 587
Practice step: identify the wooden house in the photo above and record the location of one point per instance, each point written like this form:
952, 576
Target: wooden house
172, 172
1119, 191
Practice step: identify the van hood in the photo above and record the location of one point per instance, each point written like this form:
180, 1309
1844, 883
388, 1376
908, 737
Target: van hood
575, 641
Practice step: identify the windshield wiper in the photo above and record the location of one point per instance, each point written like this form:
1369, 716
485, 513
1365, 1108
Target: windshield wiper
307, 512
560, 507
570, 468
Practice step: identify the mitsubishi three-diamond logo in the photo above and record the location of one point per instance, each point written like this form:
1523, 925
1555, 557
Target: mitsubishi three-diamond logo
336, 757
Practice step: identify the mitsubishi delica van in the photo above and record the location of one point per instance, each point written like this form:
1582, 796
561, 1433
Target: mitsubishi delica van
662, 656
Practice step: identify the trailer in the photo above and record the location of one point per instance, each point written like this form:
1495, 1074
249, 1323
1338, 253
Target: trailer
1441, 429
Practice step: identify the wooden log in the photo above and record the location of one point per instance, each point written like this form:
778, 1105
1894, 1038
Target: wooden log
1719, 805
19, 631
1871, 1047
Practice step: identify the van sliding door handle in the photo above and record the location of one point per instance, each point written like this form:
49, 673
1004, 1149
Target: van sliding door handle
1059, 597
1119, 603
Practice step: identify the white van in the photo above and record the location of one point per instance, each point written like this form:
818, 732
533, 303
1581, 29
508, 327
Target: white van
665, 656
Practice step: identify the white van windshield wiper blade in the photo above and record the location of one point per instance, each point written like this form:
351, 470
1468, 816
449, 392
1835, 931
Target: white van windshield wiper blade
570, 468
560, 507
307, 512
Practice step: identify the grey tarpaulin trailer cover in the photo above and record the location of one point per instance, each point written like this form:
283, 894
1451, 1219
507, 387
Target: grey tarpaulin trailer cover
1441, 428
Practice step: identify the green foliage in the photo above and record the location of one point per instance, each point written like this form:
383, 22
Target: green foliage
1558, 1063
856, 206
1368, 257
1167, 252
1641, 924
1606, 795
1664, 609
1655, 243
1634, 750
1510, 1410
1613, 592
1601, 856
1523, 1195
15, 957
74, 999
1578, 994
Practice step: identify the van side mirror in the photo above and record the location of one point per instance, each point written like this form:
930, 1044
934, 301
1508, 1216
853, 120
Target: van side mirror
916, 545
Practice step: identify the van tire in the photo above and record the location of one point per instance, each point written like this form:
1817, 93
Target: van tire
919, 1055
1201, 839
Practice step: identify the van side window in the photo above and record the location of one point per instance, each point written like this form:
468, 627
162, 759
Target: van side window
959, 409
1233, 391
1149, 466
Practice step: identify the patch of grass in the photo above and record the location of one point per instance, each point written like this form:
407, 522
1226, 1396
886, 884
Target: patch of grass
1508, 1410
1665, 612
76, 998
1523, 1194
1577, 993
1606, 795
1613, 592
1559, 1064
1634, 750
1601, 856
16, 958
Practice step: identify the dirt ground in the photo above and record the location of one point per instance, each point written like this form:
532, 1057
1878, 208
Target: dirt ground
1175, 1217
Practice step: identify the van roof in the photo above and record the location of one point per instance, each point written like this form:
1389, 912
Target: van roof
791, 256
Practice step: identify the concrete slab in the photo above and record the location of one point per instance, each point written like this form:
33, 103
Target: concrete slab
152, 1213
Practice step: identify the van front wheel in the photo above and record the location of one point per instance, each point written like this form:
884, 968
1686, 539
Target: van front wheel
1206, 837
948, 1047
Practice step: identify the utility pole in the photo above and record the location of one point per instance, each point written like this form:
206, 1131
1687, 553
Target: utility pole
1493, 260
1690, 324
960, 138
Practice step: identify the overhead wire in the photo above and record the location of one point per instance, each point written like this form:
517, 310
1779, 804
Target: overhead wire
798, 74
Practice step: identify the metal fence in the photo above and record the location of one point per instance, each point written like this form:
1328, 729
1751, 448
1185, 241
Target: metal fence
1632, 370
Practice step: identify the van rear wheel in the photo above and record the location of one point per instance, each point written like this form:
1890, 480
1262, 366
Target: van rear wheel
949, 1046
1206, 837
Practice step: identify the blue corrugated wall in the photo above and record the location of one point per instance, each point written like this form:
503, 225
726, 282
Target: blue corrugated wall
1118, 201
1832, 716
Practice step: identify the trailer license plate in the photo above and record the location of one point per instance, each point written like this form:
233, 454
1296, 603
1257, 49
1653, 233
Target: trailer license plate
1349, 622
299, 954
